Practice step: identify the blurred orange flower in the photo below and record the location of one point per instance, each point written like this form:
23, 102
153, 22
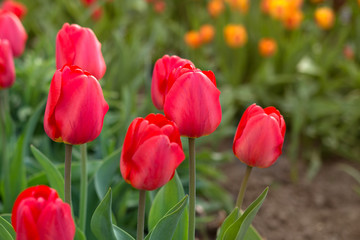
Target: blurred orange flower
348, 52
267, 47
265, 6
235, 35
324, 17
240, 5
215, 7
293, 19
278, 8
193, 39
159, 6
207, 33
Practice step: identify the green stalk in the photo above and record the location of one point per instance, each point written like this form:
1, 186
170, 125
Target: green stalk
141, 215
4, 157
67, 175
83, 188
192, 188
243, 187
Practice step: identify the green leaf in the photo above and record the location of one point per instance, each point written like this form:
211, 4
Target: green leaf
79, 235
251, 234
239, 228
103, 176
121, 234
165, 199
54, 176
4, 234
101, 222
229, 220
165, 228
7, 226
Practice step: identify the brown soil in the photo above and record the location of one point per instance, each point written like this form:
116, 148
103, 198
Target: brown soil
325, 208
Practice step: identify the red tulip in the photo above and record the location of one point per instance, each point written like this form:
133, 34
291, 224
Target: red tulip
17, 8
7, 68
151, 152
39, 214
260, 136
192, 101
162, 69
75, 107
12, 30
79, 46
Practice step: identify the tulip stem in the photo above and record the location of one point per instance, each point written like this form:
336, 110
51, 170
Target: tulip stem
83, 188
141, 215
192, 188
67, 175
5, 162
243, 186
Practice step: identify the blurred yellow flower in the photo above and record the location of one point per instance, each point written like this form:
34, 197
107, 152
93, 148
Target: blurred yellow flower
235, 35
293, 19
267, 47
193, 39
215, 7
278, 8
207, 33
324, 17
240, 5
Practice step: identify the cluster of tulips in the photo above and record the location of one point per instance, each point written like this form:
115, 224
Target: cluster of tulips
152, 149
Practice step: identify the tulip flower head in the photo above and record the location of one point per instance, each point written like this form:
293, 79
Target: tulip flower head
215, 8
17, 8
193, 39
267, 47
162, 70
259, 136
12, 30
75, 107
192, 101
79, 46
151, 152
293, 19
7, 68
39, 214
240, 5
207, 33
235, 35
324, 17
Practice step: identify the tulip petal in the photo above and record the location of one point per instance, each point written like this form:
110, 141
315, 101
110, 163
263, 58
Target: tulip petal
55, 222
260, 143
193, 104
7, 67
26, 226
154, 163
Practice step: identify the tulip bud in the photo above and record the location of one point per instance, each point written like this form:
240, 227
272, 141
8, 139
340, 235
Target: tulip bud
7, 68
192, 101
162, 69
79, 46
267, 47
12, 30
17, 8
324, 17
39, 213
151, 152
75, 107
235, 35
260, 136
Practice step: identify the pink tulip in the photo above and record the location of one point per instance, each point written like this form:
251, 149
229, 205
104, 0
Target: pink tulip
75, 108
12, 30
151, 152
17, 8
260, 136
162, 70
7, 68
192, 101
79, 46
39, 214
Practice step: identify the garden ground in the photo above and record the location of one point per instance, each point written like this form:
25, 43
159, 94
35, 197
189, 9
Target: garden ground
325, 208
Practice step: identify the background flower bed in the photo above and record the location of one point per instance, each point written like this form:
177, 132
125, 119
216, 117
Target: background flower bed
309, 79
